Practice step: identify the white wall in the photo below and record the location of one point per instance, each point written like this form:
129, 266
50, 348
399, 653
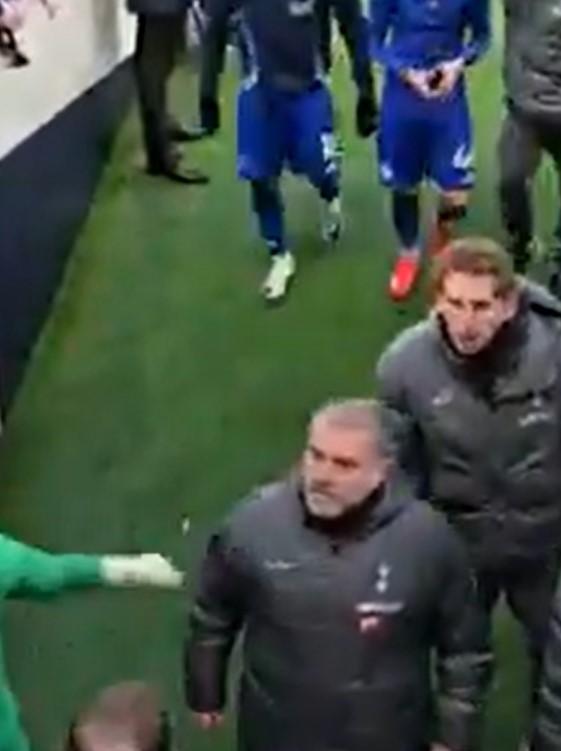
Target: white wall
69, 53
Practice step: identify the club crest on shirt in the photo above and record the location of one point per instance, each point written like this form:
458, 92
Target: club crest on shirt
373, 613
382, 578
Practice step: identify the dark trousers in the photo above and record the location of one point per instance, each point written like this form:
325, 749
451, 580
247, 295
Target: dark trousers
528, 588
522, 144
159, 40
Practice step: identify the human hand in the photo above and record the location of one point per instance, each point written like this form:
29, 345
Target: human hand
419, 81
448, 75
149, 569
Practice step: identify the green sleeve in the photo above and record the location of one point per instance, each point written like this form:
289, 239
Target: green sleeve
26, 571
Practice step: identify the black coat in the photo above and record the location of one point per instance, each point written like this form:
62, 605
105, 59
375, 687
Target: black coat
338, 633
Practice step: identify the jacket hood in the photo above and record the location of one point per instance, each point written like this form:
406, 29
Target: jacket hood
538, 299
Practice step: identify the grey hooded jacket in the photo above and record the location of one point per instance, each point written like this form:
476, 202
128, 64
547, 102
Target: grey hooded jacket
339, 632
490, 461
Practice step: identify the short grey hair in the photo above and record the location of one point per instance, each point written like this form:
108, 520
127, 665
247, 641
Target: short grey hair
368, 415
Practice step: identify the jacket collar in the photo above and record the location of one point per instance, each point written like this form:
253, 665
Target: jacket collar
378, 509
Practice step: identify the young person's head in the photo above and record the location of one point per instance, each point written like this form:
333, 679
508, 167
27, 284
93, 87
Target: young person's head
474, 292
124, 717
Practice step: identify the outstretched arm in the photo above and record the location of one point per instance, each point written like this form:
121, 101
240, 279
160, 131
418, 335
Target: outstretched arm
26, 571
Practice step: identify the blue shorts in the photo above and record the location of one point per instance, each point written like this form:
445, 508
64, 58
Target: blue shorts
425, 139
278, 129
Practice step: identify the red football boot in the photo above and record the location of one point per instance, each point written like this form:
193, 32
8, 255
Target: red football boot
404, 276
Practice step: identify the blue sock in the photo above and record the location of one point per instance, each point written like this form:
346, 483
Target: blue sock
405, 210
268, 207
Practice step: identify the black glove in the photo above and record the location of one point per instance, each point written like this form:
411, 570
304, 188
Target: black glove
210, 115
366, 115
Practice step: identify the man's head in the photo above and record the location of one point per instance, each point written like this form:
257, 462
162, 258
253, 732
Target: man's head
346, 457
475, 292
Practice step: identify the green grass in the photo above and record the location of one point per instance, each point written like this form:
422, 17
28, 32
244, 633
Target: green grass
162, 388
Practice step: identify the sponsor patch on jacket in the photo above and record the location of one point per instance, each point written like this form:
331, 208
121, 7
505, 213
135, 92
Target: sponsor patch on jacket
372, 614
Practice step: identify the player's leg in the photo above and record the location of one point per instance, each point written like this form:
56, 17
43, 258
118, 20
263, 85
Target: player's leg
452, 168
401, 169
260, 163
312, 151
519, 158
339, 146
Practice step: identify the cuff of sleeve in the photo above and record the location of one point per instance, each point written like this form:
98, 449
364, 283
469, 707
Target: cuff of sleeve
205, 679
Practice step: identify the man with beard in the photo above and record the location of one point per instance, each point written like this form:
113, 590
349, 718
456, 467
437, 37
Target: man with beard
473, 393
344, 589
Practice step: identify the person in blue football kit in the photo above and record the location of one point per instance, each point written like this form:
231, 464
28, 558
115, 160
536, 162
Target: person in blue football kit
284, 112
425, 128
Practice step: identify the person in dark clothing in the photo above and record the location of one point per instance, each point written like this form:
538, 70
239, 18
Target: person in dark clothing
327, 19
284, 112
160, 38
473, 395
546, 735
532, 126
344, 589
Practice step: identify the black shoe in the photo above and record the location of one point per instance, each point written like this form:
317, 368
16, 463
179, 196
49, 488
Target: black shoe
176, 175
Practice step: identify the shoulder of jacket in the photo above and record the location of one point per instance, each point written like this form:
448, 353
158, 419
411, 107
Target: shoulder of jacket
407, 347
540, 301
260, 506
431, 525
